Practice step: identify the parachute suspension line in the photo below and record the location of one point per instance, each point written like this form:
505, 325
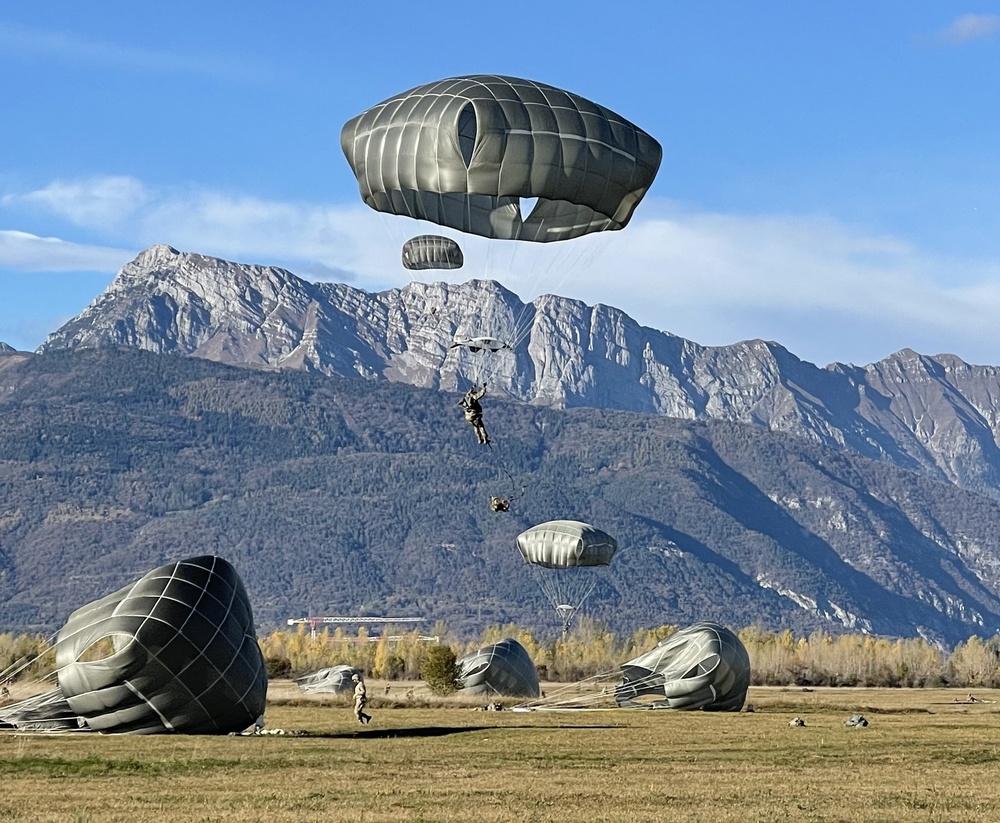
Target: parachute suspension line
553, 273
581, 696
503, 471
585, 695
566, 590
564, 260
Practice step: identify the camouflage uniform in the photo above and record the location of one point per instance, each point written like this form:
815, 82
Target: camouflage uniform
360, 700
474, 413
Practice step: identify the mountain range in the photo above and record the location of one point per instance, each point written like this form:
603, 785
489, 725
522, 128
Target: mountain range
332, 465
933, 414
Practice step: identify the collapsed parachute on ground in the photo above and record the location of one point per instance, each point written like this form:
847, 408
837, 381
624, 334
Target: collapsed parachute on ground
332, 680
173, 652
704, 666
503, 669
566, 557
463, 152
430, 251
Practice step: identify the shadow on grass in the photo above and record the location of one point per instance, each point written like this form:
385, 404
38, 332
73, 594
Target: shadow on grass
430, 731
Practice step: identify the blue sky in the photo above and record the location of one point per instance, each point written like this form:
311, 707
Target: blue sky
830, 181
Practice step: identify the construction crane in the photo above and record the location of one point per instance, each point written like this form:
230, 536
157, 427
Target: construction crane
313, 622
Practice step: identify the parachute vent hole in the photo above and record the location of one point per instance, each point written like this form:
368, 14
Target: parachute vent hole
468, 129
104, 647
702, 667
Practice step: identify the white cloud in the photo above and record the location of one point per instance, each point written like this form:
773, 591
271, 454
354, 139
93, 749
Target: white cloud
20, 251
822, 289
970, 27
97, 202
77, 49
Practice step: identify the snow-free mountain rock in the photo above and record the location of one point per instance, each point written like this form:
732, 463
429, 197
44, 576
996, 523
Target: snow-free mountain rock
934, 414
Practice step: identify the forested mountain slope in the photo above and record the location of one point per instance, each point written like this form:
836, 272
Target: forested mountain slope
337, 495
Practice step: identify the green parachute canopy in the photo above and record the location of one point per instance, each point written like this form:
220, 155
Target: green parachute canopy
567, 558
566, 544
466, 152
431, 251
503, 669
173, 652
705, 666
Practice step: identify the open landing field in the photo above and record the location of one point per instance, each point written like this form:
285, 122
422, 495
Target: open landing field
927, 756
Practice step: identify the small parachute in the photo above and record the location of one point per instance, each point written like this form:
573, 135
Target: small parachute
332, 680
431, 251
173, 652
567, 557
480, 344
504, 669
483, 359
705, 666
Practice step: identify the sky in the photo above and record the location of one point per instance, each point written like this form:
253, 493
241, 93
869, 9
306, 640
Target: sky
830, 177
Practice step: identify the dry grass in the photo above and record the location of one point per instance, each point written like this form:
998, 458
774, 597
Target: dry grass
925, 757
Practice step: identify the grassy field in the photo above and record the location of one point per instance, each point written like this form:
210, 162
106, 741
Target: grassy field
925, 757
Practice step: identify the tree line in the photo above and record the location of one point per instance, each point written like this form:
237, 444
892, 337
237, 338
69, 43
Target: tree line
781, 658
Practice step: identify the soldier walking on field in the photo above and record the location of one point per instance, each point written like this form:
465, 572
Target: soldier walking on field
360, 700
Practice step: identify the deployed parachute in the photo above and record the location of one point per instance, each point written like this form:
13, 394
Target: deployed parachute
480, 344
566, 556
430, 251
505, 159
704, 666
332, 680
173, 652
463, 152
503, 669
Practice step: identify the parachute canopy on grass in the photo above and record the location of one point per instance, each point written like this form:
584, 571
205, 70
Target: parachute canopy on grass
332, 680
504, 669
431, 251
173, 652
464, 151
705, 666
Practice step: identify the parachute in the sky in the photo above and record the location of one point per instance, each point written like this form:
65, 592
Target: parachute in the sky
176, 651
566, 557
332, 680
464, 151
705, 666
480, 344
431, 251
503, 669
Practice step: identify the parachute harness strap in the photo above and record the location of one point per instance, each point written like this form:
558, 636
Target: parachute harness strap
503, 471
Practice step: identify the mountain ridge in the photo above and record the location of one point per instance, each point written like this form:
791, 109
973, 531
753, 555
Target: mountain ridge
933, 414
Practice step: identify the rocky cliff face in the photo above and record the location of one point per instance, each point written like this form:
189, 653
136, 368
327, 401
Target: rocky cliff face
937, 415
